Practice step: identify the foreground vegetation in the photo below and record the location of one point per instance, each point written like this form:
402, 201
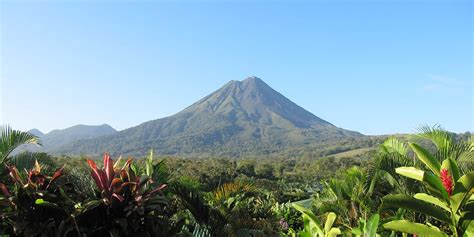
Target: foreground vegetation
421, 185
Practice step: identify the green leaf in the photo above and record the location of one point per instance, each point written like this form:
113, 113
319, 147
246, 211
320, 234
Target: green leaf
411, 172
413, 204
90, 205
149, 164
468, 227
39, 201
405, 226
305, 234
433, 183
371, 226
43, 203
433, 200
312, 219
329, 221
440, 138
467, 217
334, 232
462, 191
356, 231
424, 156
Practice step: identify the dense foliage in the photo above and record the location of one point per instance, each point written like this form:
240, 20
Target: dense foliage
420, 185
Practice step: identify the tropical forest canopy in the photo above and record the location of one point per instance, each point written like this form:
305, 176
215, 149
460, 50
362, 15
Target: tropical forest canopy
418, 184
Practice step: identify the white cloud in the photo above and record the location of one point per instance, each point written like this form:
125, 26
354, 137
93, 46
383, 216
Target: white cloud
438, 82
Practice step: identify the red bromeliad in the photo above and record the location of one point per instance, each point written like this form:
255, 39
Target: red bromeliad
105, 179
447, 181
35, 178
116, 183
36, 185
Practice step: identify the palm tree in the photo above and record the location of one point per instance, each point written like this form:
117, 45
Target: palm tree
393, 153
346, 197
10, 139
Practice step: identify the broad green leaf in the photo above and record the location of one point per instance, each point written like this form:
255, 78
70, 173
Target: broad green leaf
356, 231
304, 234
311, 227
452, 166
370, 228
413, 204
334, 232
405, 226
433, 200
313, 220
466, 218
424, 156
433, 183
462, 191
411, 172
329, 221
468, 228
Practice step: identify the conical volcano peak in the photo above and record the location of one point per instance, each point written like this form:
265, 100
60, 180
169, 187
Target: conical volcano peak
242, 117
252, 79
248, 83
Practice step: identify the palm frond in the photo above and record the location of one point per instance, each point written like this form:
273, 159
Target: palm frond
228, 189
205, 215
193, 202
10, 139
384, 167
438, 136
393, 144
161, 173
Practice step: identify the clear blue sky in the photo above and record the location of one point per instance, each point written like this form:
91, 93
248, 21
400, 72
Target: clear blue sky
373, 66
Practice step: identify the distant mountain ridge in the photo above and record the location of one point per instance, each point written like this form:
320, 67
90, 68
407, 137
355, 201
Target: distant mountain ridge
59, 137
241, 118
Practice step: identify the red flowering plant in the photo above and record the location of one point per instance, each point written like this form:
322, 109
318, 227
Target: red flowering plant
449, 191
33, 203
110, 186
447, 181
128, 202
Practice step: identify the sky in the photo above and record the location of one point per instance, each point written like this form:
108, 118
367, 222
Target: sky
376, 67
